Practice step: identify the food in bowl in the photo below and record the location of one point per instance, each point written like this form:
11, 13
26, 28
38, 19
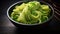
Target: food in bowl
31, 13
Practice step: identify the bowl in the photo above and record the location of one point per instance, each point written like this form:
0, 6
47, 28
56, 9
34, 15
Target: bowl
9, 11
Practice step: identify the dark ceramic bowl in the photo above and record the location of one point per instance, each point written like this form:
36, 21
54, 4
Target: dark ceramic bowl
9, 11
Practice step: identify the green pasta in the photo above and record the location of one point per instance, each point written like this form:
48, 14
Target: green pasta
30, 13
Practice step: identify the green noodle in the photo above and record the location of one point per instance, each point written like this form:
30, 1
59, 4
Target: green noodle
30, 13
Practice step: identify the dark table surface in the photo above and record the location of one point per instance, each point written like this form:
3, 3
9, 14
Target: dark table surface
6, 27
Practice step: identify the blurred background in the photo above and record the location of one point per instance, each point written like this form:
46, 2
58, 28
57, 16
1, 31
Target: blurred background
6, 27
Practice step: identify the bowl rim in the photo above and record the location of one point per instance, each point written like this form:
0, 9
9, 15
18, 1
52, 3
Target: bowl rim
29, 24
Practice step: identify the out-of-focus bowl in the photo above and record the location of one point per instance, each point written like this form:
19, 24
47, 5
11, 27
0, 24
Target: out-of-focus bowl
9, 11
